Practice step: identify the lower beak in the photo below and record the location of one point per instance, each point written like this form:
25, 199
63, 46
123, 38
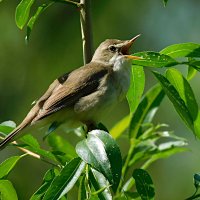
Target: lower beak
127, 45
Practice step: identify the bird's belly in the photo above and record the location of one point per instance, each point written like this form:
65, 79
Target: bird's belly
94, 106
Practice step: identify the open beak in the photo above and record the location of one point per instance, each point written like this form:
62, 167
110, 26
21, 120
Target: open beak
127, 45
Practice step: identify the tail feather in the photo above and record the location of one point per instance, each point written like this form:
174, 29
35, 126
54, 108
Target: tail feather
9, 138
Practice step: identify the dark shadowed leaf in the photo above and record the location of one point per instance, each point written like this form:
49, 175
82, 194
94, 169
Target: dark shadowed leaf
101, 151
177, 101
144, 184
154, 59
136, 87
34, 18
22, 12
182, 50
7, 191
100, 184
151, 100
7, 165
66, 180
47, 180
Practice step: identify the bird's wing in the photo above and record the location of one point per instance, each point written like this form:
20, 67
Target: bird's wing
79, 83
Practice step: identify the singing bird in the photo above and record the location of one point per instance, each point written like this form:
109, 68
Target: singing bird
86, 94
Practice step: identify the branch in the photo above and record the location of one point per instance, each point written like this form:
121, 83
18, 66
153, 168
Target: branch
86, 30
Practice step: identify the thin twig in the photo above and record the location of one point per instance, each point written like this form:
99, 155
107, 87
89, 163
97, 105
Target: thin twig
86, 30
30, 153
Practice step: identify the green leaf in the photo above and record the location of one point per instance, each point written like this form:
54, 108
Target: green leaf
22, 12
136, 87
66, 180
101, 151
144, 184
6, 127
7, 191
197, 125
82, 193
194, 63
177, 101
120, 127
34, 18
182, 50
151, 101
165, 153
100, 183
191, 72
7, 165
47, 180
197, 180
165, 2
58, 143
30, 143
184, 89
154, 59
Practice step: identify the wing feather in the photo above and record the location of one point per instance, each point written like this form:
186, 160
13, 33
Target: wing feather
79, 83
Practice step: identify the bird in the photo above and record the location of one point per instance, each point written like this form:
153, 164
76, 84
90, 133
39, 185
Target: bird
86, 94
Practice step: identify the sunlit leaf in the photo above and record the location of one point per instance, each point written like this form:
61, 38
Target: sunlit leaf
154, 59
66, 180
182, 50
101, 151
177, 101
144, 184
7, 191
151, 100
7, 165
191, 72
184, 90
22, 12
34, 18
167, 153
136, 87
120, 127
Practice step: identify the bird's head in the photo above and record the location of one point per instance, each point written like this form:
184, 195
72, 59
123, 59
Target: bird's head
112, 49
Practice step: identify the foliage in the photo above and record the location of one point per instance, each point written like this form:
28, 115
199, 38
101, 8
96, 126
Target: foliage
95, 165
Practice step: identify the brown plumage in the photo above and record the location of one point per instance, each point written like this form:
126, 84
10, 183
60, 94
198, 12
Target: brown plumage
80, 94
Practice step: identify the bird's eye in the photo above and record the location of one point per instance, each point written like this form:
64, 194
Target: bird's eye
112, 48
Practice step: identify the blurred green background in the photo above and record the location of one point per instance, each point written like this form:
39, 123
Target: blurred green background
55, 48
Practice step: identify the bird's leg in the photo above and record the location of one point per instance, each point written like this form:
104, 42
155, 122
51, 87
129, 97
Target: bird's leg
90, 125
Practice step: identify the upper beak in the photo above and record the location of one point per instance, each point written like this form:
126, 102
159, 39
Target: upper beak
127, 45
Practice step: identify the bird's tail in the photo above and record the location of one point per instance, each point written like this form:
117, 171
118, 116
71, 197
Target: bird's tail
10, 137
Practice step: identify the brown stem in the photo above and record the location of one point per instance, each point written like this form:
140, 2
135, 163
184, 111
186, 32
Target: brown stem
86, 30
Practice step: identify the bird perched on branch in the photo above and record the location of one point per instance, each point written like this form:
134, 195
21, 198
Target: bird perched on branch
85, 94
